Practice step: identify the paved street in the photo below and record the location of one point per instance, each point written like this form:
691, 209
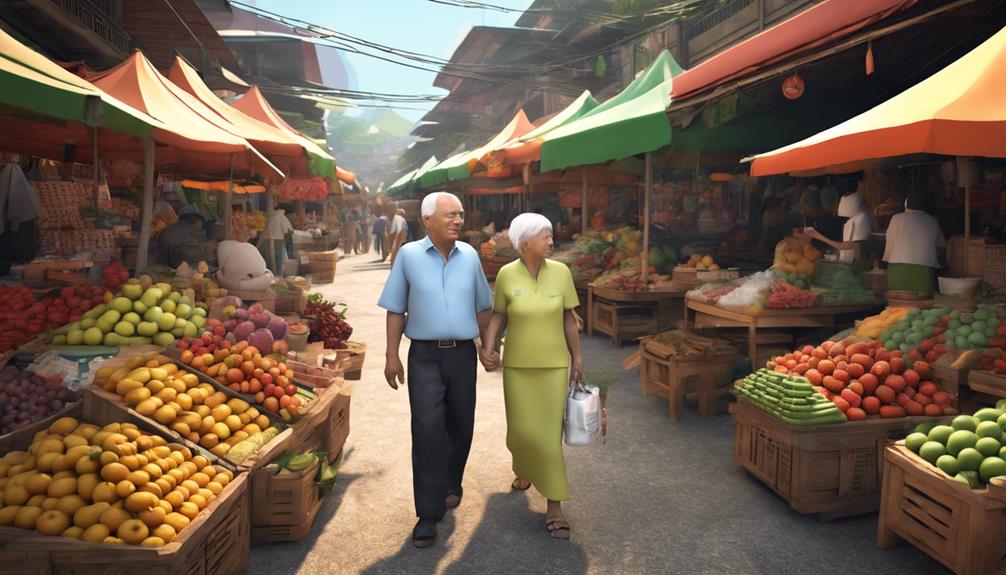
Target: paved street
657, 498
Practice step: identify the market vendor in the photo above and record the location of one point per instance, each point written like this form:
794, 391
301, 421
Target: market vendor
276, 241
182, 240
914, 239
859, 224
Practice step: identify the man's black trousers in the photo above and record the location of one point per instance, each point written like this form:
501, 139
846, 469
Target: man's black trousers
442, 399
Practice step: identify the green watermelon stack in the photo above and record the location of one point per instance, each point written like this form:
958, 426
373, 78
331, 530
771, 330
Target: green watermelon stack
790, 398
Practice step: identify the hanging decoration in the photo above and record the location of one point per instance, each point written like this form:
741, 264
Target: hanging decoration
792, 87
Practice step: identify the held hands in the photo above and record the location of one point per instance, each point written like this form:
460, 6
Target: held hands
394, 372
490, 359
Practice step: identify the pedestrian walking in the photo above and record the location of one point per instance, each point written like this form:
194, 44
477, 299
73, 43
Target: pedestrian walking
380, 229
350, 229
438, 296
535, 297
363, 236
276, 241
397, 231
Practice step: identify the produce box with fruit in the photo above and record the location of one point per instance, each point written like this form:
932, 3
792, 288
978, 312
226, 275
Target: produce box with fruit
865, 379
194, 409
29, 401
971, 450
140, 313
790, 398
23, 316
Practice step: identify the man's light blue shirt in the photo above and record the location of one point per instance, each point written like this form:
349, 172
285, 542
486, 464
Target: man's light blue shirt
441, 298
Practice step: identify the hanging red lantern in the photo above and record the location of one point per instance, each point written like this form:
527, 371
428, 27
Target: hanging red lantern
792, 87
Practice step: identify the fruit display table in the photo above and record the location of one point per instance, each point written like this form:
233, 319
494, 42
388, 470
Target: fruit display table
622, 314
828, 470
704, 315
491, 264
708, 377
963, 528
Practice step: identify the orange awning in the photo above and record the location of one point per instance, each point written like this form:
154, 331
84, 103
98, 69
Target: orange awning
281, 148
345, 176
959, 111
200, 139
813, 27
223, 186
256, 106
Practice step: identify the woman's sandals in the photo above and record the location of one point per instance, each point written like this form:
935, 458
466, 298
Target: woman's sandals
520, 484
557, 528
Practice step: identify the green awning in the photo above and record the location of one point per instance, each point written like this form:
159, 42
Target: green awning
409, 181
33, 82
632, 122
580, 107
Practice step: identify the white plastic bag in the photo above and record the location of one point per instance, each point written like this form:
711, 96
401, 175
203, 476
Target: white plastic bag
583, 415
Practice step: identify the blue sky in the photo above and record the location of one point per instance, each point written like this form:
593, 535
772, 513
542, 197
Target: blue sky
416, 25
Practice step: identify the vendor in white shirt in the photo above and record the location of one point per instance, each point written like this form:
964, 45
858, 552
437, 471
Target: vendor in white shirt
914, 239
276, 241
858, 226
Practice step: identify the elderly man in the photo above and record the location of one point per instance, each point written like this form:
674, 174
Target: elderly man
438, 296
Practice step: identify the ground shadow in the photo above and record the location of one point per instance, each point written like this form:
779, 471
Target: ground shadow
511, 538
409, 559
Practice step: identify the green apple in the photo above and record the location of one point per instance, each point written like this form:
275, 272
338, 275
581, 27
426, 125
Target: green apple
122, 304
151, 297
87, 323
168, 306
59, 340
164, 339
177, 332
140, 307
132, 290
153, 314
183, 310
199, 311
167, 321
112, 339
186, 300
75, 337
175, 297
199, 321
111, 316
104, 325
181, 322
132, 317
146, 328
229, 311
93, 336
125, 329
191, 330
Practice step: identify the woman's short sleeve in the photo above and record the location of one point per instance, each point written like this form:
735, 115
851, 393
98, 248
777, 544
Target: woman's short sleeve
500, 294
569, 298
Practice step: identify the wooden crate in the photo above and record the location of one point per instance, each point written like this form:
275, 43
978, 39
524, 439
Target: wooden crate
965, 529
336, 429
9, 441
826, 470
216, 542
283, 498
279, 533
710, 378
622, 321
350, 360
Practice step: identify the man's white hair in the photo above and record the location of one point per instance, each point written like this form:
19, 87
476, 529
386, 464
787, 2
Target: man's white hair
429, 206
526, 227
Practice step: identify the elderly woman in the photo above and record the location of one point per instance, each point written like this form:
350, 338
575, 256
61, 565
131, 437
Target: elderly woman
535, 298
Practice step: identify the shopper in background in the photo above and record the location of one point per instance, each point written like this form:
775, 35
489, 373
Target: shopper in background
438, 296
175, 240
535, 298
350, 229
397, 231
276, 241
380, 228
914, 242
363, 236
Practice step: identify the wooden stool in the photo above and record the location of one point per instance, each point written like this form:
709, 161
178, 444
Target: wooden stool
624, 320
709, 377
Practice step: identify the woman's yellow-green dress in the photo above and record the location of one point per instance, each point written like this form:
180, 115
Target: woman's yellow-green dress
536, 370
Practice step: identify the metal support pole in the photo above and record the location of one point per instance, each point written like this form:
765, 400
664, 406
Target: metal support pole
647, 188
148, 205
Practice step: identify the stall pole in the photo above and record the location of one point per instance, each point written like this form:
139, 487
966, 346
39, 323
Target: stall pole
269, 250
583, 206
228, 208
95, 170
148, 205
647, 188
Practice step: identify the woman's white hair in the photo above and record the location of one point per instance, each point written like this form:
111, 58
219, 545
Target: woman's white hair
526, 227
429, 206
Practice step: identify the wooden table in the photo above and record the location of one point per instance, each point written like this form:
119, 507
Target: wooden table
605, 304
704, 315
